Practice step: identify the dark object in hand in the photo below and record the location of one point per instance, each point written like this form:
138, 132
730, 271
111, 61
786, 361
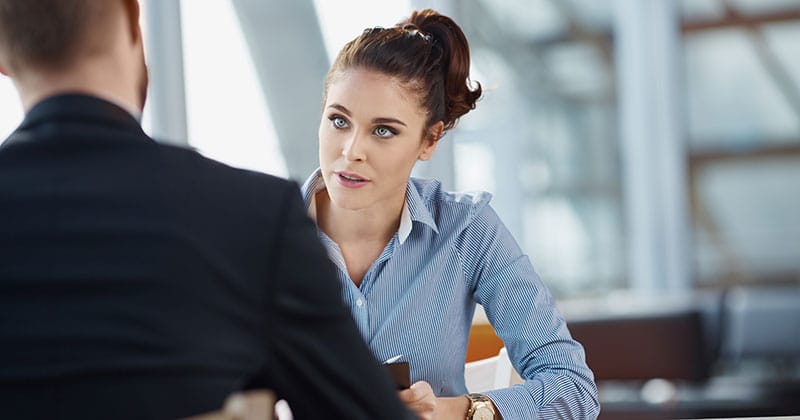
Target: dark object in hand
400, 373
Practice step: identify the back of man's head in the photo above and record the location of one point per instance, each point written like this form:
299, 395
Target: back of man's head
50, 34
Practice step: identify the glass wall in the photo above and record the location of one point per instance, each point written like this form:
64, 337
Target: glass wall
546, 133
546, 140
743, 105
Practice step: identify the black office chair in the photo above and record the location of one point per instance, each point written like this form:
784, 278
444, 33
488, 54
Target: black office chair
669, 345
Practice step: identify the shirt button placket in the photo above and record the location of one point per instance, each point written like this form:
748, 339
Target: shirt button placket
361, 315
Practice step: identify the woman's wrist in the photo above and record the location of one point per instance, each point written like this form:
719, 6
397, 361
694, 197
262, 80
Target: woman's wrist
452, 408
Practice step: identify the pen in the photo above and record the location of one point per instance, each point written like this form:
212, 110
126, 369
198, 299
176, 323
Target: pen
392, 359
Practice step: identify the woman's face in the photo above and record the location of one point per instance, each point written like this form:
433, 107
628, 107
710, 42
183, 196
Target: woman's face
370, 136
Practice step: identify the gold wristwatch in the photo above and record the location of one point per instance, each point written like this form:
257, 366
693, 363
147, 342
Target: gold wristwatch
481, 408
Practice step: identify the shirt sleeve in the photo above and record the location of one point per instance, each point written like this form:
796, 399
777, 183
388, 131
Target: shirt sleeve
320, 363
557, 381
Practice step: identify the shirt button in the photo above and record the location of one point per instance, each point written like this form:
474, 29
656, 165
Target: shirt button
359, 303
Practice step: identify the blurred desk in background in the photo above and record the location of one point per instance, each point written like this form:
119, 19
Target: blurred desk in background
708, 354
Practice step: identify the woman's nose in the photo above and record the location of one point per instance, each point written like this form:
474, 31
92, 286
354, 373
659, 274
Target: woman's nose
353, 149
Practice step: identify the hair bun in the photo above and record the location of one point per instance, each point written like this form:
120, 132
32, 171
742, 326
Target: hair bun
461, 96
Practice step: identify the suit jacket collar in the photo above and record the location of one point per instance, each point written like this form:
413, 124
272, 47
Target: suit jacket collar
77, 108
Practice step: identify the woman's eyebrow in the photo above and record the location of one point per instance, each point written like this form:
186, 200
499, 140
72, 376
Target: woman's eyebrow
388, 121
340, 108
379, 120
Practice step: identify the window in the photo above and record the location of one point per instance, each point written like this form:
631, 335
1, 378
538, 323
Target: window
10, 108
343, 20
228, 118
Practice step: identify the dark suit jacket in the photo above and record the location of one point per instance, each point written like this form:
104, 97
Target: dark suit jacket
139, 280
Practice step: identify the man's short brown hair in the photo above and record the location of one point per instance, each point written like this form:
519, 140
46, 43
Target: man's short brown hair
48, 33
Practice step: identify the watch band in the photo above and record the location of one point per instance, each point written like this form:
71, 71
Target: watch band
481, 407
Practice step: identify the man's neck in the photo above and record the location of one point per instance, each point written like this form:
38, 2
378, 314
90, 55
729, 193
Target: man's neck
90, 80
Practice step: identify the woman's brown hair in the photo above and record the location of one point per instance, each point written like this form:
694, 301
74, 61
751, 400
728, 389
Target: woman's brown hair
428, 53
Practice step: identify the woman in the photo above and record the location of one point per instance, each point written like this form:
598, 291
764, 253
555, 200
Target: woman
414, 259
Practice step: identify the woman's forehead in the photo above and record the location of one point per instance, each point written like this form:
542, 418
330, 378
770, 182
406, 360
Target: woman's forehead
371, 91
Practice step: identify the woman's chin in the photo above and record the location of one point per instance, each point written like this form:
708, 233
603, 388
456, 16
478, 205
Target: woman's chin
348, 200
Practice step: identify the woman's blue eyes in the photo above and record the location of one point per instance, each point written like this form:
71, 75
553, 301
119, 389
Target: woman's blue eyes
382, 131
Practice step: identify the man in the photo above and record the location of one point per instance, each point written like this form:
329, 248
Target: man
139, 280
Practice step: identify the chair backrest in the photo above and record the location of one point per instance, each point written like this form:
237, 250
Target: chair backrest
641, 346
250, 405
483, 341
491, 373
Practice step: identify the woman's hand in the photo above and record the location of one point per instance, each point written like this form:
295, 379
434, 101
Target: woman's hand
423, 402
420, 399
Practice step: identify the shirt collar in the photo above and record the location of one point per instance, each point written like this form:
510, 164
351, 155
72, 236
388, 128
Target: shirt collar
73, 106
414, 209
310, 188
418, 211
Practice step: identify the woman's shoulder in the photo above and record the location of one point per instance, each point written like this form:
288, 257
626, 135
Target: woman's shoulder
462, 205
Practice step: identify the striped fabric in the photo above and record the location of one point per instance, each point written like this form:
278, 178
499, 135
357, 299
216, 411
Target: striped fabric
418, 298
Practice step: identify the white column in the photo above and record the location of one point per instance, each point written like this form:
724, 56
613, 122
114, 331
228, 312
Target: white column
653, 144
166, 95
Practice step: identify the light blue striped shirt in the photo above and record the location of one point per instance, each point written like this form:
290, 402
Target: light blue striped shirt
418, 299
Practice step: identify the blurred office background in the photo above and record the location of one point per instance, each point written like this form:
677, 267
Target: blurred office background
645, 154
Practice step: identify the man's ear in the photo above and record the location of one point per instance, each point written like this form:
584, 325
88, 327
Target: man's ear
3, 67
133, 11
431, 140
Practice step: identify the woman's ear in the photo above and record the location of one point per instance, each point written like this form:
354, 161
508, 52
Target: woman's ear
431, 140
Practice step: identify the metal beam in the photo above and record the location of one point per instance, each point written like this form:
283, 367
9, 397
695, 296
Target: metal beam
288, 52
772, 64
166, 94
741, 20
771, 149
687, 27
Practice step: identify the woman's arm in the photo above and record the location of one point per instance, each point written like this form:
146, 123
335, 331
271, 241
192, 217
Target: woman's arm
558, 383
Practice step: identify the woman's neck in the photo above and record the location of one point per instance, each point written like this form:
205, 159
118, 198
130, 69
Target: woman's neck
377, 223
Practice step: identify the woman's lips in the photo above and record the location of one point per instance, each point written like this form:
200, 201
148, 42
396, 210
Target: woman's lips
351, 180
